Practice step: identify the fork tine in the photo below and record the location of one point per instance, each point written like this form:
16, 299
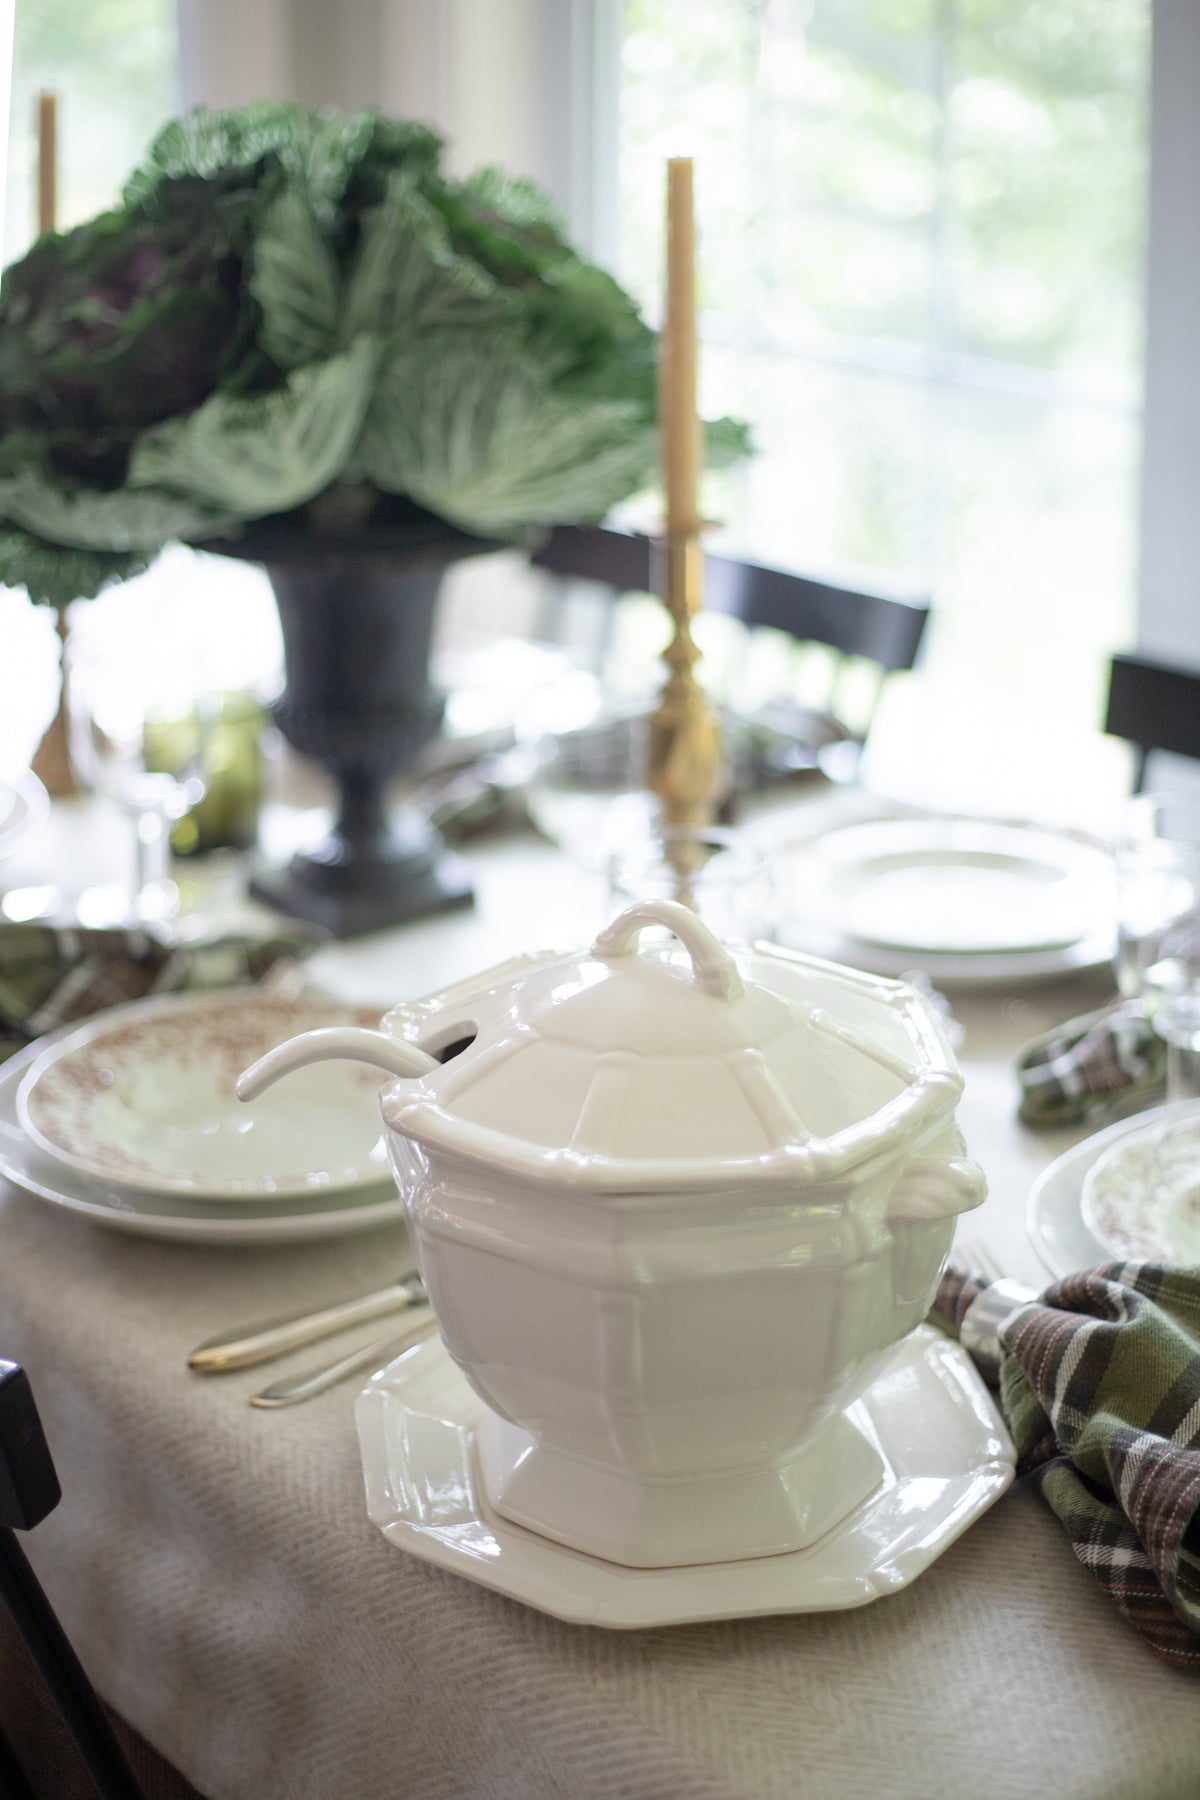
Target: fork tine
977, 1256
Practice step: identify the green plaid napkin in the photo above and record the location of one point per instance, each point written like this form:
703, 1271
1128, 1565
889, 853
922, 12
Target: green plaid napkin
1100, 1386
52, 974
1089, 1063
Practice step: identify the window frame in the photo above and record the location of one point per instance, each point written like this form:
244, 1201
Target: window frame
556, 119
1168, 527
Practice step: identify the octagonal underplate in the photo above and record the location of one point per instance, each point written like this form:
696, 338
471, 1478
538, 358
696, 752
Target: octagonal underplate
947, 1457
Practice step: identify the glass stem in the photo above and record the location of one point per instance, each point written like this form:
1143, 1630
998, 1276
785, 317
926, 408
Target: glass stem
153, 856
1183, 1071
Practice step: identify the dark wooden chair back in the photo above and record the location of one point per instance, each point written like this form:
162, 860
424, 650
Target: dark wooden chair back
852, 622
1153, 706
29, 1490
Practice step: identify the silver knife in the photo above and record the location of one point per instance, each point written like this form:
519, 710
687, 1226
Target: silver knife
271, 1337
375, 1355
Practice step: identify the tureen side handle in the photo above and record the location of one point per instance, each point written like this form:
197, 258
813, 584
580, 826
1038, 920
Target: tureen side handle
935, 1187
394, 1055
714, 968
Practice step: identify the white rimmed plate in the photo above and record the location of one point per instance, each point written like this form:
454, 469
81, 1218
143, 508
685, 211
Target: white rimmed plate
143, 1095
1054, 1213
967, 899
178, 1219
946, 1454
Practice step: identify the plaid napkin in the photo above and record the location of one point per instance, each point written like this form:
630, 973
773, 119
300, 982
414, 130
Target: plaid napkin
1100, 1386
1089, 1063
52, 974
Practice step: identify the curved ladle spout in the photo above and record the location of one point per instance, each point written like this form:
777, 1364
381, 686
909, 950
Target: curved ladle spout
352, 1042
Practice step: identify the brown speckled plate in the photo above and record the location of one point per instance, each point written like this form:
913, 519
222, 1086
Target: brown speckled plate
1141, 1198
144, 1095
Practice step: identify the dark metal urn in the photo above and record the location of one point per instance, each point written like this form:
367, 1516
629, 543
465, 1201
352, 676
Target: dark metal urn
357, 619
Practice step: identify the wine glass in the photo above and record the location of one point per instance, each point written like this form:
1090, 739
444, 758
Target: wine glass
1157, 854
138, 731
587, 790
722, 876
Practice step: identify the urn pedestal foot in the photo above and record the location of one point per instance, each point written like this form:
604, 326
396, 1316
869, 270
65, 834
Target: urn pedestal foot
349, 888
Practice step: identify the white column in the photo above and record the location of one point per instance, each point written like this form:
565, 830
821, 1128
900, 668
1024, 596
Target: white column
1169, 586
529, 85
231, 51
511, 83
415, 54
6, 71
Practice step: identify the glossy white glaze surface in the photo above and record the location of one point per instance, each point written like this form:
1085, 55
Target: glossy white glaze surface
671, 1206
943, 1451
643, 1068
623, 1517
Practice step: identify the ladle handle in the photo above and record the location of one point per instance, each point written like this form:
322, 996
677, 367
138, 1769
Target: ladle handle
714, 969
351, 1042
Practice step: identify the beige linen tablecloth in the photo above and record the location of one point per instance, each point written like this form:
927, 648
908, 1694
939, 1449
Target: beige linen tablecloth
217, 1572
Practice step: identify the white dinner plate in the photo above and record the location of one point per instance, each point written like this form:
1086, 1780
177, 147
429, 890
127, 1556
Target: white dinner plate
947, 1457
144, 1095
973, 900
184, 1220
24, 805
1054, 1214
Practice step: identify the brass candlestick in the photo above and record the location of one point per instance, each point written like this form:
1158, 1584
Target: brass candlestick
685, 758
685, 766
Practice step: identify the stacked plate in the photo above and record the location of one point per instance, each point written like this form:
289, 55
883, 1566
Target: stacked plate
131, 1120
967, 900
1131, 1191
24, 808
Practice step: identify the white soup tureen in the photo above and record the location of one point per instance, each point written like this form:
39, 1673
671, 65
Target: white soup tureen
672, 1202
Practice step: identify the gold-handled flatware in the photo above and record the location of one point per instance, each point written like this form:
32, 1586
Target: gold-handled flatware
272, 1337
375, 1355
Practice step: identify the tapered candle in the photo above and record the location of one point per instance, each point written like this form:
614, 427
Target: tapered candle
47, 161
52, 759
677, 357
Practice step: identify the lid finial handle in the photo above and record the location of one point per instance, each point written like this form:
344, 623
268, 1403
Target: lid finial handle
714, 968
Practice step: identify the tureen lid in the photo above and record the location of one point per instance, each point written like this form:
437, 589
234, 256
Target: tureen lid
637, 1067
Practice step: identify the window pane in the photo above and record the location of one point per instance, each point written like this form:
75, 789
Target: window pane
921, 240
114, 66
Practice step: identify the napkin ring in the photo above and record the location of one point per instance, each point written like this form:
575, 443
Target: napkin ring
985, 1318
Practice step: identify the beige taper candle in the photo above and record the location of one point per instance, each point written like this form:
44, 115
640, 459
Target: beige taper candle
52, 762
47, 162
677, 368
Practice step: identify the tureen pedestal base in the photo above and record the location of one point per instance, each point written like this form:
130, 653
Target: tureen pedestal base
727, 1517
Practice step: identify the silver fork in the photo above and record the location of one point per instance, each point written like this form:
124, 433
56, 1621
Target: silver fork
375, 1355
971, 1253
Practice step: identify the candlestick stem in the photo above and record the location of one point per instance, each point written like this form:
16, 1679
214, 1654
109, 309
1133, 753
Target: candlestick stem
686, 763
